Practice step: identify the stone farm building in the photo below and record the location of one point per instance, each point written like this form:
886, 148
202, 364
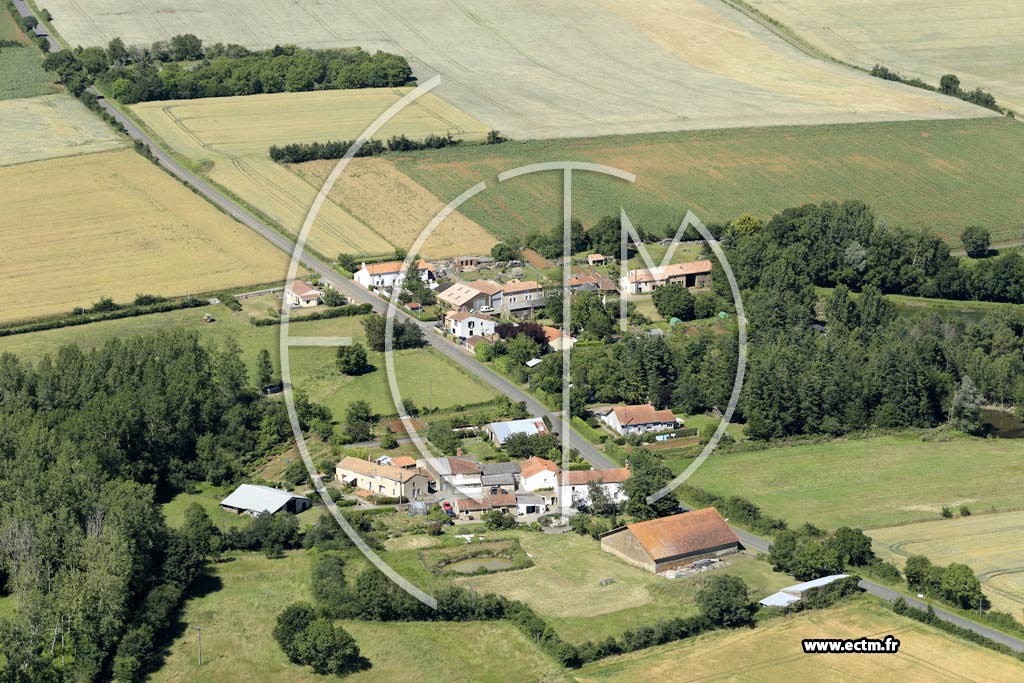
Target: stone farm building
253, 500
382, 480
668, 542
693, 274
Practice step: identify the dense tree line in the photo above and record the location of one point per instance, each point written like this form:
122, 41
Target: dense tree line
949, 84
90, 443
183, 68
297, 153
869, 368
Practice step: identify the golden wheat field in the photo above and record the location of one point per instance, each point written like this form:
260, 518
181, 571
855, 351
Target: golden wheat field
113, 224
36, 128
561, 68
979, 40
228, 139
376, 193
771, 653
989, 544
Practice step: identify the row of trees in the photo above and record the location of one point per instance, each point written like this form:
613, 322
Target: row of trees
158, 72
831, 244
296, 153
949, 84
109, 434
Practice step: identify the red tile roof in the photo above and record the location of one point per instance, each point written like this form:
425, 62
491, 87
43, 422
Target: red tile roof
387, 267
582, 477
534, 465
642, 415
674, 270
688, 533
303, 290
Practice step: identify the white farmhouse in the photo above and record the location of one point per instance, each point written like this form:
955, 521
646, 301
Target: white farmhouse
465, 325
536, 474
639, 419
574, 486
302, 295
389, 274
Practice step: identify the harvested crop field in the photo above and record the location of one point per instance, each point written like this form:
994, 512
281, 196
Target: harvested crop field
36, 128
228, 139
988, 543
113, 224
615, 66
901, 169
772, 653
377, 194
979, 40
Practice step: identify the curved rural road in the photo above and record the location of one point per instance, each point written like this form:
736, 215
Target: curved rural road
449, 349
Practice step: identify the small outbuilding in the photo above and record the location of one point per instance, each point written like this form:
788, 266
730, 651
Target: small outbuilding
797, 592
254, 500
669, 542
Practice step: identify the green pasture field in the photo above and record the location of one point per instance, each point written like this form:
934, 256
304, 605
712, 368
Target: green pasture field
423, 375
771, 653
564, 586
245, 594
22, 74
934, 175
875, 482
911, 306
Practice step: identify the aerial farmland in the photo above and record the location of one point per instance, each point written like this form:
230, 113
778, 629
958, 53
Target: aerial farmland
228, 138
917, 38
687, 73
251, 428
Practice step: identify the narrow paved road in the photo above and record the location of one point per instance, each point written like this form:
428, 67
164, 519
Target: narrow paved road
355, 292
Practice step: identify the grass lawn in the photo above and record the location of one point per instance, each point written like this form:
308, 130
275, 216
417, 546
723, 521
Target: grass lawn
246, 593
564, 586
424, 375
772, 653
874, 482
989, 544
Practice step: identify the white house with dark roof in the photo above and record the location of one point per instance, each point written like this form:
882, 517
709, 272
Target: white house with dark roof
254, 500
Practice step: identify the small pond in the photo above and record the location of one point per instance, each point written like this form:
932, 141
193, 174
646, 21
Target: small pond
475, 564
1002, 425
